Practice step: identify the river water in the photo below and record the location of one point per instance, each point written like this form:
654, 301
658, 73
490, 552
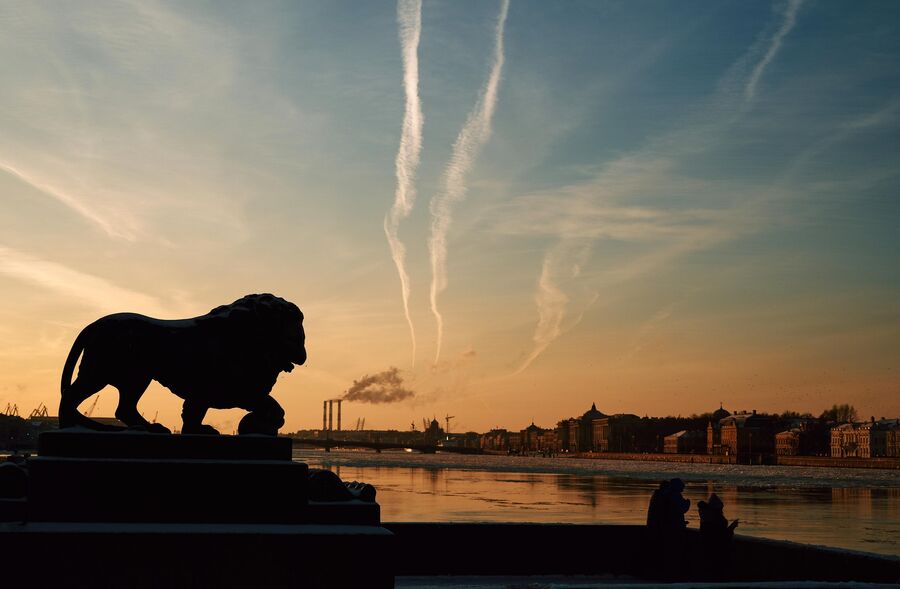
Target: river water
857, 509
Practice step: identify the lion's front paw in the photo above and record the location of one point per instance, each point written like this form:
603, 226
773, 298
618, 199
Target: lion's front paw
202, 429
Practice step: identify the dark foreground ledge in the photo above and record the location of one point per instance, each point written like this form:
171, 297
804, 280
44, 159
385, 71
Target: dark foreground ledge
326, 556
146, 555
459, 549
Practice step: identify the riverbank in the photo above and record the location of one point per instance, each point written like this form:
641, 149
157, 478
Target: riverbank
889, 463
852, 508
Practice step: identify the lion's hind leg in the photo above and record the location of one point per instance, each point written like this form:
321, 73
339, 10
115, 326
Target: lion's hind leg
73, 396
127, 412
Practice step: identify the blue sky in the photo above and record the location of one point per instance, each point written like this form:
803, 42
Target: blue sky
657, 206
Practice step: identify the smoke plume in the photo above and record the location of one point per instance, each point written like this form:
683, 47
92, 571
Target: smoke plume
384, 387
409, 19
471, 138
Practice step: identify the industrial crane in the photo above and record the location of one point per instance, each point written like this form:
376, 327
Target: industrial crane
40, 411
93, 406
448, 417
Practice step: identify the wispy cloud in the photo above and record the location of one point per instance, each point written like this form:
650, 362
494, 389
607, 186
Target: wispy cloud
112, 228
560, 264
100, 116
790, 18
409, 18
90, 290
470, 140
580, 214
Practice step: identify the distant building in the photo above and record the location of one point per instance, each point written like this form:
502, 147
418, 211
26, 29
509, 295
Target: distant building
714, 431
434, 432
575, 433
496, 439
531, 438
514, 442
807, 438
615, 433
648, 435
866, 439
746, 435
892, 440
787, 443
466, 440
686, 442
549, 441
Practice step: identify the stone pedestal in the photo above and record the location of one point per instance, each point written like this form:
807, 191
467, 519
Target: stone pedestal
82, 443
157, 510
141, 477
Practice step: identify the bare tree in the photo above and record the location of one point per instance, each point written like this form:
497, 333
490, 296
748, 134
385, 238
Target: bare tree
840, 414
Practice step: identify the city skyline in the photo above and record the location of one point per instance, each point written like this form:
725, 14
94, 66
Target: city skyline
523, 207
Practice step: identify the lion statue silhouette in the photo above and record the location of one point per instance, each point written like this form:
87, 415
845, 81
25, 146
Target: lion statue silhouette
230, 357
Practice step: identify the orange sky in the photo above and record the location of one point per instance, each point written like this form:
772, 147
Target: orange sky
525, 209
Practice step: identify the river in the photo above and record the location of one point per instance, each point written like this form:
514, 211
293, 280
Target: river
857, 509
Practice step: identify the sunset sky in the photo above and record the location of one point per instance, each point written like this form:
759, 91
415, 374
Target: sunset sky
654, 206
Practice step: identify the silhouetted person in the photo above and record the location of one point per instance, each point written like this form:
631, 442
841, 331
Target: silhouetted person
655, 511
715, 536
665, 530
675, 506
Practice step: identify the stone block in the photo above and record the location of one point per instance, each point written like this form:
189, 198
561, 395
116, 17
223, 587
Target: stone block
145, 490
83, 443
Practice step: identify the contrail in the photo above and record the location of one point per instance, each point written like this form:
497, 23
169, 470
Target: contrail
409, 19
790, 17
471, 138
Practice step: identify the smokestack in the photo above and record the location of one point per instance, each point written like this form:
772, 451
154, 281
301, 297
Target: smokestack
339, 414
330, 415
324, 416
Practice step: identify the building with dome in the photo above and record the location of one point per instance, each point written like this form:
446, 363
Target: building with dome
576, 433
714, 431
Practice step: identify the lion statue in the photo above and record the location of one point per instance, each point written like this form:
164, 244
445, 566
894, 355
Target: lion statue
230, 357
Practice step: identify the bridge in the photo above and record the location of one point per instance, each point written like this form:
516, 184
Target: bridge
424, 448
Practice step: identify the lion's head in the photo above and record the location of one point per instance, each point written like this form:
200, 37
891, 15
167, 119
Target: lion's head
270, 324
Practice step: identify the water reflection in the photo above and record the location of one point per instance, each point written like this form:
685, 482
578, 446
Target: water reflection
857, 517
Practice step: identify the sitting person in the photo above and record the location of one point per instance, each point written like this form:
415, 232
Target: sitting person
667, 507
655, 511
715, 535
713, 524
665, 542
676, 505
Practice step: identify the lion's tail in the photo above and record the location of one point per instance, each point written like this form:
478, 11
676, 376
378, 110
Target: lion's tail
72, 360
